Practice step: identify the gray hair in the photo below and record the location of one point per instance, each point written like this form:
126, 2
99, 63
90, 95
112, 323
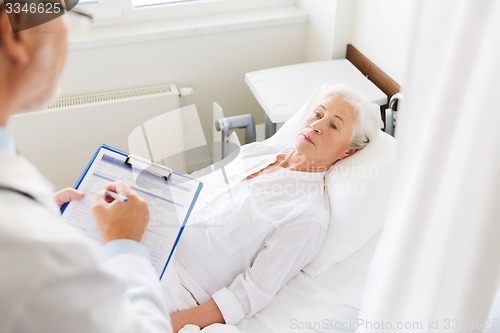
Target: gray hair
368, 120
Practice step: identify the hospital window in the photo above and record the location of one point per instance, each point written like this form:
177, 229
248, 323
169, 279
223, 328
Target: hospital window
107, 12
140, 3
143, 3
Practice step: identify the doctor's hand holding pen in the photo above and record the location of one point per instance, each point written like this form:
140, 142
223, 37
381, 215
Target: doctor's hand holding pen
120, 213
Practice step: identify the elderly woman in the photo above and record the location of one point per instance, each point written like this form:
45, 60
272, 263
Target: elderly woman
251, 235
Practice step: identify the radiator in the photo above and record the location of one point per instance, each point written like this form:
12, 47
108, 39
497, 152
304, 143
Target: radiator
61, 138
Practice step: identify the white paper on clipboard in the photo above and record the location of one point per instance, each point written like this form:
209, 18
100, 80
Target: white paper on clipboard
170, 201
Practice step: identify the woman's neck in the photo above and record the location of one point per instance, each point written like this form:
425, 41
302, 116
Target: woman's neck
292, 161
295, 161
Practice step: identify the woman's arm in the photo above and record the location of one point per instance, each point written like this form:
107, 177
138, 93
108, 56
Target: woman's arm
202, 316
284, 254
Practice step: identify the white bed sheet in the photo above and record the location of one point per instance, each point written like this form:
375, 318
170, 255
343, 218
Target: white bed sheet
328, 302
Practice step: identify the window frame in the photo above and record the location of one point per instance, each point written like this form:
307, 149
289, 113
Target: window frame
117, 12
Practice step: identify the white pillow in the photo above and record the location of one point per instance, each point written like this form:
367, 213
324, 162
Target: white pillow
358, 187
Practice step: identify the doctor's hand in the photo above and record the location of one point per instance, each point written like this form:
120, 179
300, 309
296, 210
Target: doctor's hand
117, 219
67, 195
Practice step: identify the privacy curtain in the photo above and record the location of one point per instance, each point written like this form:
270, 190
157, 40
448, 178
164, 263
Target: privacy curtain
437, 265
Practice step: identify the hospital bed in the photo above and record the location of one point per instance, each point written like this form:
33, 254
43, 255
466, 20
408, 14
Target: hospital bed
327, 294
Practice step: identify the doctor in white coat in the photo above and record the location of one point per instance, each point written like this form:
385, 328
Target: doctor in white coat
52, 279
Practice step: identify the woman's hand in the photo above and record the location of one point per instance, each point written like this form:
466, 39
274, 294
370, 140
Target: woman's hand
201, 316
117, 219
67, 195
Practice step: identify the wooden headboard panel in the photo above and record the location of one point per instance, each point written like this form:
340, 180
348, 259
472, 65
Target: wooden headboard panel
372, 72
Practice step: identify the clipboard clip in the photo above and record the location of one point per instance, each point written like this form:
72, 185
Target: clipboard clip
152, 167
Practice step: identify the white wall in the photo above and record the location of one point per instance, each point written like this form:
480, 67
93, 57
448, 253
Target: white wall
331, 24
345, 19
321, 29
382, 32
213, 64
380, 29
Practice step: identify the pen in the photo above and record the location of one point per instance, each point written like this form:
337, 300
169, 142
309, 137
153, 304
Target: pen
117, 196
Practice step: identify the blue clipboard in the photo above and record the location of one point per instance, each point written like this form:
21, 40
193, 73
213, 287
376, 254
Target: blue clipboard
118, 165
86, 170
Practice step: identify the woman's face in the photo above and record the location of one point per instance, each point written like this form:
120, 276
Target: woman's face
327, 132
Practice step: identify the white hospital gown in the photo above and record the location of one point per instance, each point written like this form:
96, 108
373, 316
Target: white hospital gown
248, 238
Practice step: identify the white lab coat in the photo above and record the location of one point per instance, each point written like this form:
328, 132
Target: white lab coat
52, 279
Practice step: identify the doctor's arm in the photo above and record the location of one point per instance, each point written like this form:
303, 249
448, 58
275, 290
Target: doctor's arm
67, 287
122, 225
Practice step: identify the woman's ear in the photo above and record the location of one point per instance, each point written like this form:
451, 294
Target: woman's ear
349, 152
11, 44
